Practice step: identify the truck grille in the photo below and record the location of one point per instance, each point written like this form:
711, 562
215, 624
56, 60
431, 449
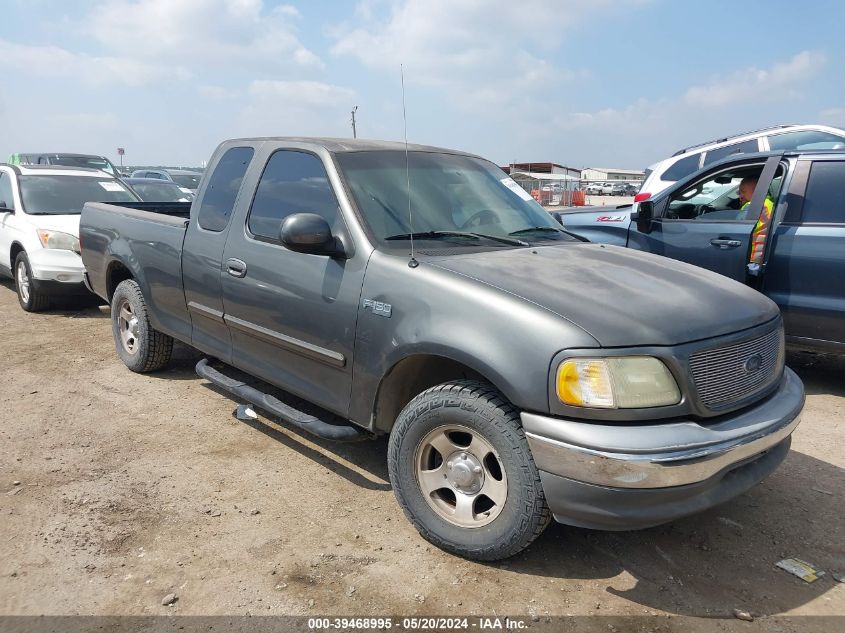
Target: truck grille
730, 374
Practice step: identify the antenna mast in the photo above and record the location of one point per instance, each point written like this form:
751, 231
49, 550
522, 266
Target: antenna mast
413, 263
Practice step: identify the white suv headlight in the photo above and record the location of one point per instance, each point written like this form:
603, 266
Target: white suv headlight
630, 382
58, 240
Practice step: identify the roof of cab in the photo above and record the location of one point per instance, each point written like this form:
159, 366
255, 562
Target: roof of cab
341, 145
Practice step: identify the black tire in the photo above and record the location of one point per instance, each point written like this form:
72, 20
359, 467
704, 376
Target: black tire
479, 407
29, 296
150, 349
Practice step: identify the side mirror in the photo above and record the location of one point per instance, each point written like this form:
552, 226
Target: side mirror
309, 233
644, 216
4, 208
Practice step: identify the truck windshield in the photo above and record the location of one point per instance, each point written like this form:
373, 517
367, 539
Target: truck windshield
160, 191
455, 200
66, 195
189, 181
91, 162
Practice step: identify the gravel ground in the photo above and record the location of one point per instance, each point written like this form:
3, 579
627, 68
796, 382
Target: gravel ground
118, 489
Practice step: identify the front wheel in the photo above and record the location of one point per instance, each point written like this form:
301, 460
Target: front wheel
141, 347
29, 297
462, 471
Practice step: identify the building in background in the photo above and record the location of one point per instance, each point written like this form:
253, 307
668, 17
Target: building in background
542, 168
593, 174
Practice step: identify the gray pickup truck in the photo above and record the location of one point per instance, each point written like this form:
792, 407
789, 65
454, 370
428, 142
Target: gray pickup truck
520, 372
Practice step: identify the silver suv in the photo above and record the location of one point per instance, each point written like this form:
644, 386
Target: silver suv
781, 137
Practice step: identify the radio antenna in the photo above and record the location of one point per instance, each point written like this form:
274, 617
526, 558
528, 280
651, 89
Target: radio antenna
413, 263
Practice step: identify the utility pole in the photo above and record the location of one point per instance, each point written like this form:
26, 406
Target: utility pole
354, 131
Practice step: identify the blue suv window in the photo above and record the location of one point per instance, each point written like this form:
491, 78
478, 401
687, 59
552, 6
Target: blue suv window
824, 200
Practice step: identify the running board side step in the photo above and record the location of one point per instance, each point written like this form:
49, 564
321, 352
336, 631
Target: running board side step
299, 419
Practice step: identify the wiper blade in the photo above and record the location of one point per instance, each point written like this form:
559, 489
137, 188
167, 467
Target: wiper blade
504, 240
532, 229
431, 234
422, 235
549, 229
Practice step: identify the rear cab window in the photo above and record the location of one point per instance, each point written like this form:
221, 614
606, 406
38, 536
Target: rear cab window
222, 189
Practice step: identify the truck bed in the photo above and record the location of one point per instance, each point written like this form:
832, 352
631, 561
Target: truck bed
144, 240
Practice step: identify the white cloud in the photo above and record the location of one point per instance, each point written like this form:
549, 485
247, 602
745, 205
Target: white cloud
203, 32
301, 93
755, 83
55, 62
295, 108
217, 93
477, 51
833, 116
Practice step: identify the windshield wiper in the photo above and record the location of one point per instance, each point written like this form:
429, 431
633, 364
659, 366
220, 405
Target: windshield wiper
421, 235
532, 229
436, 234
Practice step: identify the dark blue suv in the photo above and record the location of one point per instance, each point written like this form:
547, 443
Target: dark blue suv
787, 241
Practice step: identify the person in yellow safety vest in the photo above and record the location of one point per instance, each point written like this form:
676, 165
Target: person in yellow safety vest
761, 228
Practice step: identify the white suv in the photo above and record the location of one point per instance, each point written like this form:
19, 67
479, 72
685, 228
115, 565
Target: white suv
39, 227
691, 159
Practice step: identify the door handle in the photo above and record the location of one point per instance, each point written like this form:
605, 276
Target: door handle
236, 267
725, 243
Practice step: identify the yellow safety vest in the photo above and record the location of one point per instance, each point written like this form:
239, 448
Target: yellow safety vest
761, 231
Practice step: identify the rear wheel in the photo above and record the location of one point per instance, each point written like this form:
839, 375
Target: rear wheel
29, 296
462, 471
141, 347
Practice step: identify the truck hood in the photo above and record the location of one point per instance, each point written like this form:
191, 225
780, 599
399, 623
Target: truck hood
63, 223
622, 298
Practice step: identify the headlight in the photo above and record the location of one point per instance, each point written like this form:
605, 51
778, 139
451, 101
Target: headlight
630, 382
58, 240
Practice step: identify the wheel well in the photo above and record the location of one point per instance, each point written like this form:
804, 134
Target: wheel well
410, 377
116, 273
17, 247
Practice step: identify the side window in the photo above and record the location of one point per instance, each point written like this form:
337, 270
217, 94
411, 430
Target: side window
7, 200
824, 199
746, 147
715, 199
223, 187
807, 139
292, 182
681, 169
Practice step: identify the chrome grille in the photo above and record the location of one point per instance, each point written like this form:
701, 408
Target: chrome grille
726, 375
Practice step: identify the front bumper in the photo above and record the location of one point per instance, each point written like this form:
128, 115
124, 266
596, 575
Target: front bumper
633, 476
50, 264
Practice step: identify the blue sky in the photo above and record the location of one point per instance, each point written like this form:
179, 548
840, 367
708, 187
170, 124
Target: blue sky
619, 83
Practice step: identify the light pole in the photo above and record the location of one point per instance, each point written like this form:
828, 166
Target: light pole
354, 131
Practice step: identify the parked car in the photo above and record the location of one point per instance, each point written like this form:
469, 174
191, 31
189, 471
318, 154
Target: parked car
619, 189
599, 189
687, 161
189, 180
517, 377
798, 260
89, 161
151, 190
39, 227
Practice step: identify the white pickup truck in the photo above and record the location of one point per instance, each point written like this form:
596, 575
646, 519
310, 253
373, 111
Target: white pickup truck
39, 227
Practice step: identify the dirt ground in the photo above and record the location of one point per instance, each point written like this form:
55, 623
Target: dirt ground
117, 489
